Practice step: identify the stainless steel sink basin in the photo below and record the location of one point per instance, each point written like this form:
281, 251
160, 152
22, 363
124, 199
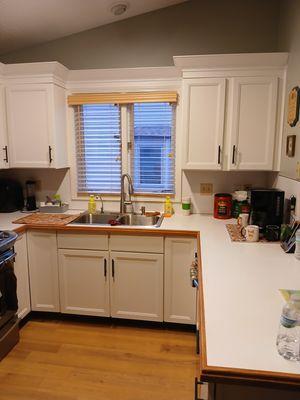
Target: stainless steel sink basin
118, 219
140, 220
98, 218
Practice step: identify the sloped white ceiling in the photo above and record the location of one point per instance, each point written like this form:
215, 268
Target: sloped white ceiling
25, 23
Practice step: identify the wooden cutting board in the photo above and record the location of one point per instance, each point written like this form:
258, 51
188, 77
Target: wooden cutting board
46, 219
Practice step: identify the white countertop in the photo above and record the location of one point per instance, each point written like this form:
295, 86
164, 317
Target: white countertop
242, 303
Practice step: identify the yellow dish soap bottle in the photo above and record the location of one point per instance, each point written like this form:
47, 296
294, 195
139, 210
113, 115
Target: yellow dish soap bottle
92, 205
168, 207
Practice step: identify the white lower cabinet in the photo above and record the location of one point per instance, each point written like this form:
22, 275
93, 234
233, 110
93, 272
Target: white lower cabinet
84, 282
21, 272
179, 295
136, 286
43, 270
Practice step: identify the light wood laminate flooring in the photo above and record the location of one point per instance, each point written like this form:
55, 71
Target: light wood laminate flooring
72, 360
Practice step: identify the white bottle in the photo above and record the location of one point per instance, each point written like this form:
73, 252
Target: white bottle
288, 338
297, 248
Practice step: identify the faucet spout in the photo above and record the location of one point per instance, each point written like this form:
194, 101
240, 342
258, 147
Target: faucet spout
123, 201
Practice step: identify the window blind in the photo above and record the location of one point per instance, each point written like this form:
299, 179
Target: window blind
121, 98
98, 148
152, 134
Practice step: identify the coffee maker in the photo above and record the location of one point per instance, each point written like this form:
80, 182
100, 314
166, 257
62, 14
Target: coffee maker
266, 207
30, 196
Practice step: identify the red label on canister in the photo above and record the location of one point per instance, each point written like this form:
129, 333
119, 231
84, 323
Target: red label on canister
222, 205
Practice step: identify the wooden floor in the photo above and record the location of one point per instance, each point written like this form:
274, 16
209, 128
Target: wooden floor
67, 360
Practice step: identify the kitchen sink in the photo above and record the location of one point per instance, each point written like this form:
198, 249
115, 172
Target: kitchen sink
98, 218
140, 220
118, 219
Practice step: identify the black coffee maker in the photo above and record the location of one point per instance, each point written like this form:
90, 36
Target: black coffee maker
266, 208
30, 196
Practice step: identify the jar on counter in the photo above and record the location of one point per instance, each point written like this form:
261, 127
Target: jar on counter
222, 205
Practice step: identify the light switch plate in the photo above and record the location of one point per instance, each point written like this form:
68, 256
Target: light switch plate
206, 188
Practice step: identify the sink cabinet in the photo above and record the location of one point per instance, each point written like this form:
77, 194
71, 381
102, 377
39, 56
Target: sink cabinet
43, 270
140, 277
84, 282
136, 286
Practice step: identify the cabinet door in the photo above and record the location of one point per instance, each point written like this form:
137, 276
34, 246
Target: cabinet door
203, 122
3, 132
180, 296
253, 123
43, 270
21, 272
136, 286
30, 123
84, 282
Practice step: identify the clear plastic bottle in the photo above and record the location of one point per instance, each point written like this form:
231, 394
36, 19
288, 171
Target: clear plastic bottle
288, 338
297, 248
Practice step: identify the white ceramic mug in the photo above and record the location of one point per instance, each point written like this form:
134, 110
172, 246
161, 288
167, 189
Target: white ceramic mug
251, 233
242, 220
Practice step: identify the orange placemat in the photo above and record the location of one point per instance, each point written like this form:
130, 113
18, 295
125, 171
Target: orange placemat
46, 219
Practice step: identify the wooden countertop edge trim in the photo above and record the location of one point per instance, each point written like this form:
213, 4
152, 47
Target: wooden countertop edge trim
210, 373
108, 230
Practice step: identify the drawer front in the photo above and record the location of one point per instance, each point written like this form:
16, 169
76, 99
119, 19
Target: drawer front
85, 241
140, 244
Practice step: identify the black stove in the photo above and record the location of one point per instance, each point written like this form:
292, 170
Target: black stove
9, 330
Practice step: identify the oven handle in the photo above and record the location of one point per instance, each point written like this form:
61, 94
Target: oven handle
10, 257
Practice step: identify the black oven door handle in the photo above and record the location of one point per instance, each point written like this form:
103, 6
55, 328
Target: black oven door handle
8, 258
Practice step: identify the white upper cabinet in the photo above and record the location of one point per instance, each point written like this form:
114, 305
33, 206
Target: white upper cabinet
203, 122
36, 117
36, 110
232, 111
3, 132
252, 119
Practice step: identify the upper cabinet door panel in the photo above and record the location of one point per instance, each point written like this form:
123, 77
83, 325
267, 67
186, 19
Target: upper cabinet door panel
3, 133
30, 122
254, 110
203, 122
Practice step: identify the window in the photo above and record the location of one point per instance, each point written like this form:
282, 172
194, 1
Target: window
98, 148
152, 136
149, 136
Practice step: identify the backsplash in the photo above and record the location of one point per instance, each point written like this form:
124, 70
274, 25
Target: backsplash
51, 181
222, 182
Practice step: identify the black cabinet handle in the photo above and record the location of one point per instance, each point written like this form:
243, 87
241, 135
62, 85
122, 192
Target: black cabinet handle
50, 155
197, 341
113, 269
197, 383
105, 267
233, 154
6, 154
219, 154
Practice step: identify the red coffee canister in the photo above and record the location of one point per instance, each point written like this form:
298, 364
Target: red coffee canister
222, 205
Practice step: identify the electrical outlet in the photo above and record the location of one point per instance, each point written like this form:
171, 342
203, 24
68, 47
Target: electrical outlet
206, 188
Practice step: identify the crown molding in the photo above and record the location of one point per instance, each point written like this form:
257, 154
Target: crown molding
232, 61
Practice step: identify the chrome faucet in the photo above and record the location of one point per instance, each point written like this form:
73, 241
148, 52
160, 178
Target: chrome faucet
123, 201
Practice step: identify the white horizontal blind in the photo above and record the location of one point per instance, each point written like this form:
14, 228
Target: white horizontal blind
98, 148
153, 147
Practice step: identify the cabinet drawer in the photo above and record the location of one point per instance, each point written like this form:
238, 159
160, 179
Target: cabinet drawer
85, 241
144, 244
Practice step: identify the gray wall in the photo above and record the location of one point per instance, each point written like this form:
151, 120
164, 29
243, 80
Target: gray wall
194, 27
289, 40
